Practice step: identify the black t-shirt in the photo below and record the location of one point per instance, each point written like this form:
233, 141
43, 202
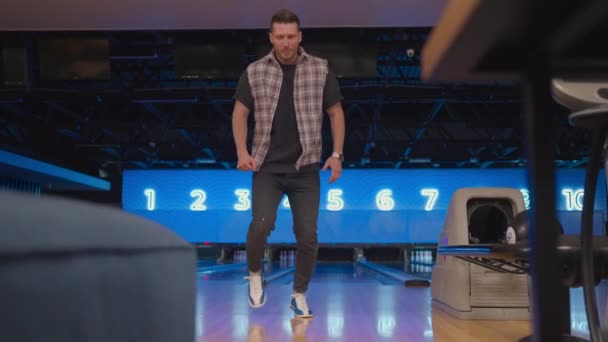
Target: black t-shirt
285, 147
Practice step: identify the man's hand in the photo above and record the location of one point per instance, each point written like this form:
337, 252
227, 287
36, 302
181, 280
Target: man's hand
336, 168
246, 163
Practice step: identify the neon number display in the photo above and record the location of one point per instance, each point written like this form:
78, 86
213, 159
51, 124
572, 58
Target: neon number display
384, 200
151, 199
432, 195
199, 200
574, 199
334, 200
244, 203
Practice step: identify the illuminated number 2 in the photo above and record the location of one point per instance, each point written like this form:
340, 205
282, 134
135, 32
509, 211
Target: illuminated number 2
151, 200
432, 195
199, 203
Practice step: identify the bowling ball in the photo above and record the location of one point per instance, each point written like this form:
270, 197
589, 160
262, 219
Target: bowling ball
487, 224
517, 231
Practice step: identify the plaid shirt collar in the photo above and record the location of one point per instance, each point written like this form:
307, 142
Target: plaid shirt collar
302, 56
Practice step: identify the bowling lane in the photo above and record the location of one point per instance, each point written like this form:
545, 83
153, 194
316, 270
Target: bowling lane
325, 272
348, 272
418, 269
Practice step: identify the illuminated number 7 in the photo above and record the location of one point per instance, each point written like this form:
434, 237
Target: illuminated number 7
432, 195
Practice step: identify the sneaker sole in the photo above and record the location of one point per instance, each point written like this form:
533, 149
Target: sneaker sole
259, 305
300, 316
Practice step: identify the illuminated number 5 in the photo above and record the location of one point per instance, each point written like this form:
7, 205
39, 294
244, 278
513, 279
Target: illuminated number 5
335, 202
199, 203
432, 195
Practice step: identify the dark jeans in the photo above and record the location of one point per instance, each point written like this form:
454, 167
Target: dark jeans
303, 191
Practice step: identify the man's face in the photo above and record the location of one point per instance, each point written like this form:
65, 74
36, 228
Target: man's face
285, 39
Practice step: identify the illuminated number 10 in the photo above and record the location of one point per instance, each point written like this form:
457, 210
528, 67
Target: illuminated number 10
151, 200
574, 199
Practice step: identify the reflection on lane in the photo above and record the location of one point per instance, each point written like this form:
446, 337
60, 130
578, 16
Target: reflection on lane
324, 272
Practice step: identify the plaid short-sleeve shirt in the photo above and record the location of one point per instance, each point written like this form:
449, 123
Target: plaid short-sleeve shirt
265, 78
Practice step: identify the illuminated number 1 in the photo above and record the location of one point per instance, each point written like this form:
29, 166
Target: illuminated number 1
150, 195
199, 202
432, 195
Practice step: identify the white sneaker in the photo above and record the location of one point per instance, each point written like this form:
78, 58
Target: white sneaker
257, 295
299, 305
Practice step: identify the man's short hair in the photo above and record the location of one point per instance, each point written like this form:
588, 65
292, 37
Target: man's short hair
285, 16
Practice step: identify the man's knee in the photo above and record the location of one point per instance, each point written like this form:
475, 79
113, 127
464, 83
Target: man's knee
306, 238
262, 225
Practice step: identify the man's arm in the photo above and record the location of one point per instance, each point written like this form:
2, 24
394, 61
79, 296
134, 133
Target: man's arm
336, 119
239, 132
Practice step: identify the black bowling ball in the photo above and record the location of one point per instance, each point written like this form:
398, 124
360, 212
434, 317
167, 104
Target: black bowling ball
517, 231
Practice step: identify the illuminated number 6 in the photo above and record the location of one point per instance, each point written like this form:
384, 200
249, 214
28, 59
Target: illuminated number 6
384, 201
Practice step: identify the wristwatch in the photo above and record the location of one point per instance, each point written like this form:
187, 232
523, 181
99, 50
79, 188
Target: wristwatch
338, 156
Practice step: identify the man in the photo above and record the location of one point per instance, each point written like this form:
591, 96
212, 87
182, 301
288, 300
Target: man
288, 91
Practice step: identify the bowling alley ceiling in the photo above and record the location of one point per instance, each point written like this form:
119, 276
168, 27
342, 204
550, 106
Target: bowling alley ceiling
108, 101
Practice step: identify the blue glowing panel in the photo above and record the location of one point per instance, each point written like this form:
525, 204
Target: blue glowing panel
364, 206
48, 175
